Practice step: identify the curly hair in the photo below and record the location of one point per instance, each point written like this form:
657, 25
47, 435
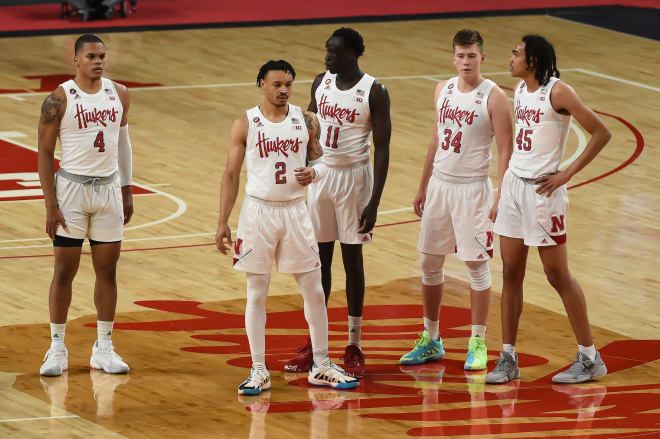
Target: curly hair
275, 65
351, 38
540, 54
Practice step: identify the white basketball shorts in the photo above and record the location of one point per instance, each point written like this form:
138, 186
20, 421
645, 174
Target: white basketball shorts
91, 210
336, 203
537, 219
455, 218
279, 231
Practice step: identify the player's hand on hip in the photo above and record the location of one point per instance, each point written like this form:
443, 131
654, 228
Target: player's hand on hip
304, 176
418, 203
127, 201
492, 215
54, 218
548, 184
223, 238
368, 219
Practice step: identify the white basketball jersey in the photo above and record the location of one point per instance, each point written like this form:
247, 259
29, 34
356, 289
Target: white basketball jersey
273, 151
540, 135
465, 132
345, 120
89, 130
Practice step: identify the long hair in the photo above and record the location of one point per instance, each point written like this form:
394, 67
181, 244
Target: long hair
540, 54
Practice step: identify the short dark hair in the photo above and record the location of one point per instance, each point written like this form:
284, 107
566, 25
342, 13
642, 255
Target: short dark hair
87, 38
352, 39
540, 54
275, 65
467, 37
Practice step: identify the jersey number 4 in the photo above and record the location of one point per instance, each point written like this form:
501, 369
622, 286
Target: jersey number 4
455, 142
99, 142
280, 173
334, 138
523, 140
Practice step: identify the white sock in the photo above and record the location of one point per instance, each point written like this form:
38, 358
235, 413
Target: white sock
589, 351
478, 331
255, 315
315, 312
354, 330
57, 332
432, 326
509, 349
259, 365
104, 332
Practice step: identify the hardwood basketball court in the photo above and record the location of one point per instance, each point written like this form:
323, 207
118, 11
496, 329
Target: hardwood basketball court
180, 310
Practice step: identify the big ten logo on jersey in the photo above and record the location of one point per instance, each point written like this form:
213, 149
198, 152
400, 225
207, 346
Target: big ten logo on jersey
257, 122
359, 97
449, 89
479, 98
339, 114
110, 94
327, 84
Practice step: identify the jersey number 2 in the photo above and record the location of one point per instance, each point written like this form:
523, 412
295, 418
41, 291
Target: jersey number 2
455, 142
280, 171
99, 142
334, 138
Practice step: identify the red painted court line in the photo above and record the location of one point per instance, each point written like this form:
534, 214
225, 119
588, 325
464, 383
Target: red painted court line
178, 246
638, 150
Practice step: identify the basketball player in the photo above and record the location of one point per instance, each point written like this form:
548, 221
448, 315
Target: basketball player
274, 223
534, 202
87, 198
455, 196
350, 104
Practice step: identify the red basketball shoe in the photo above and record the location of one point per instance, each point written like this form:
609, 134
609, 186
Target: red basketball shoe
353, 361
303, 360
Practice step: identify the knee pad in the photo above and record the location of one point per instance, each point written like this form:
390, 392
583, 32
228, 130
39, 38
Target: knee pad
432, 269
257, 289
479, 275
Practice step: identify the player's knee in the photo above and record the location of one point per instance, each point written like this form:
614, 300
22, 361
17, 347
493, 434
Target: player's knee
311, 287
558, 279
512, 276
479, 275
432, 273
257, 289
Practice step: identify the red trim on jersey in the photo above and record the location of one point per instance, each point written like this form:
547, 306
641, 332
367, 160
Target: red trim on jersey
560, 239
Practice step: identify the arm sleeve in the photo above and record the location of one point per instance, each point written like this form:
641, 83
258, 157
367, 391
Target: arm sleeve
125, 157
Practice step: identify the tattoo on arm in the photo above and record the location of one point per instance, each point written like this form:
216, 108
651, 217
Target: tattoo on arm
51, 109
314, 150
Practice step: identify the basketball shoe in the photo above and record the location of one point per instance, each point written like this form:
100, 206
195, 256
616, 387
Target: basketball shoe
104, 357
303, 360
353, 361
506, 369
582, 369
331, 375
477, 355
56, 361
425, 350
257, 382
